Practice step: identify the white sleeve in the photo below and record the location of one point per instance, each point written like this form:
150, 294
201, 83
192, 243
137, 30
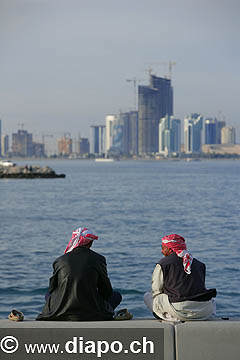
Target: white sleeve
157, 281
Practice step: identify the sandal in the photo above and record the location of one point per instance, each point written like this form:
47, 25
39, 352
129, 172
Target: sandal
123, 314
16, 315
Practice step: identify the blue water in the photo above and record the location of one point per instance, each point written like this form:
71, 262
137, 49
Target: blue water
130, 205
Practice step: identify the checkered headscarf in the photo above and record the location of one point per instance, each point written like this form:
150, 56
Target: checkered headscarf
178, 245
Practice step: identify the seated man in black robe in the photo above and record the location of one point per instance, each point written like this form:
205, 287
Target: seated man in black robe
80, 289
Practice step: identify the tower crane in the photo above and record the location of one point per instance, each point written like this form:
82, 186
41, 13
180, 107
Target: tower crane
21, 125
170, 66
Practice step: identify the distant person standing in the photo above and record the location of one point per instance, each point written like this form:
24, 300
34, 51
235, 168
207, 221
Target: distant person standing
178, 285
80, 289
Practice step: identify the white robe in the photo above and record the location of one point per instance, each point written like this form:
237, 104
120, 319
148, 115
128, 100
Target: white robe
158, 303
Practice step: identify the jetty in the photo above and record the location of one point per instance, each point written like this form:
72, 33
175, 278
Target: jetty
28, 172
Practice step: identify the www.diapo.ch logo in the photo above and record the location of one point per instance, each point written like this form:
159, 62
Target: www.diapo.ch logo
9, 344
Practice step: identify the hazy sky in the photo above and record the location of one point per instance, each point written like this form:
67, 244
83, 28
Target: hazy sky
64, 63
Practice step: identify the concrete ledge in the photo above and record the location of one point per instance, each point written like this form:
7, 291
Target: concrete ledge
199, 340
60, 329
136, 324
208, 340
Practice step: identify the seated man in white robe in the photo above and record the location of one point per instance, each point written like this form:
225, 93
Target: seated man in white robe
178, 285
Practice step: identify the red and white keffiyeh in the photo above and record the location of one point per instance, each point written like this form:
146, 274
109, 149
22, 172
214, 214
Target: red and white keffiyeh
80, 237
178, 245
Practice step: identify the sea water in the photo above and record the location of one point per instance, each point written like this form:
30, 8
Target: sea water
130, 205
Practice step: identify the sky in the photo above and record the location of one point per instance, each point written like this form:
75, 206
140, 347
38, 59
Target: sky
64, 63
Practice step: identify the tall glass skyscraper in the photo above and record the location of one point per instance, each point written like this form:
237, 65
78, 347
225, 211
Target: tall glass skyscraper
169, 135
110, 122
121, 133
97, 139
129, 121
154, 102
193, 133
211, 131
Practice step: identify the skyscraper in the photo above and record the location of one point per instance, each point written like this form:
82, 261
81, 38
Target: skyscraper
64, 146
211, 131
169, 135
193, 133
5, 145
133, 132
176, 135
83, 146
110, 121
97, 139
22, 144
228, 135
0, 137
220, 125
129, 122
154, 102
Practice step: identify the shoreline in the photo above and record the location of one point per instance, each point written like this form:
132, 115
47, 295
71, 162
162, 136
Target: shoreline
125, 159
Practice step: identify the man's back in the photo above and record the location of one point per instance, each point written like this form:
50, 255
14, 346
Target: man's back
78, 288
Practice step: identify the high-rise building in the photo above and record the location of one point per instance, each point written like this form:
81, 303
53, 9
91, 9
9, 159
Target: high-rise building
193, 133
22, 144
64, 146
154, 102
121, 133
133, 131
176, 135
220, 125
211, 131
38, 149
129, 122
83, 146
228, 135
118, 136
97, 139
169, 135
5, 145
1, 138
110, 123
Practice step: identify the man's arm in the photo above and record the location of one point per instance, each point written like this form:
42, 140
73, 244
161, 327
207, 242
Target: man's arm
104, 283
157, 281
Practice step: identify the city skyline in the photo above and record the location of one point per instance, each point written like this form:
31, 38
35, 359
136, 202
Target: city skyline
150, 129
64, 65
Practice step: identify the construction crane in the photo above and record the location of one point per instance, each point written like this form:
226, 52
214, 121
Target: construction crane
149, 70
170, 65
134, 81
21, 125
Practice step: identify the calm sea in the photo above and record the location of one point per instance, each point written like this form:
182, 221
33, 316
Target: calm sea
130, 205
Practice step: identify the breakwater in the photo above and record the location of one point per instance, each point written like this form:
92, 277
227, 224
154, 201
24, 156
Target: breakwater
31, 172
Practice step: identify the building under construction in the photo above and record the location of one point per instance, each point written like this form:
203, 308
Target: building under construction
154, 102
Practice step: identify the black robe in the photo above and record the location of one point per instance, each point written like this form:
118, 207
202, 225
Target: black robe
79, 288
